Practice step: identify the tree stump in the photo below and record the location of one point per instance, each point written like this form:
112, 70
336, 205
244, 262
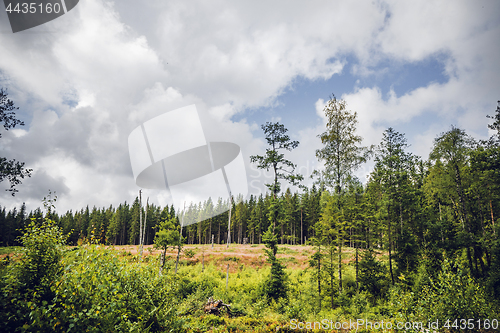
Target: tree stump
215, 306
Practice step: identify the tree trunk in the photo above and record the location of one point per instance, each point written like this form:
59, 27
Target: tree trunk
390, 245
492, 219
140, 224
340, 265
229, 227
302, 228
331, 274
319, 276
357, 281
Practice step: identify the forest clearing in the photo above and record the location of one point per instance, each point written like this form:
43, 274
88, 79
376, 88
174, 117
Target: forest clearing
108, 288
415, 249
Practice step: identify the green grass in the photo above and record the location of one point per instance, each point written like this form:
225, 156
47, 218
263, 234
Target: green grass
292, 260
283, 249
10, 250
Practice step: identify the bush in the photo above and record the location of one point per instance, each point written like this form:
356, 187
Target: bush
41, 263
453, 294
30, 283
189, 253
86, 290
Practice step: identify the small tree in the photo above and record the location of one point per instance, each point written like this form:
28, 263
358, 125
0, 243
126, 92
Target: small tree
41, 265
275, 286
372, 275
283, 169
167, 236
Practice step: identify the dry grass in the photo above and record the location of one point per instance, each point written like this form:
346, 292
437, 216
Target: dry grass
237, 255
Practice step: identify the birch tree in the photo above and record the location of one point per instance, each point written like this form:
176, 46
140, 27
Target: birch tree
342, 154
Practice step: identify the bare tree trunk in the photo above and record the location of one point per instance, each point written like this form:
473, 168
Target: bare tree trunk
180, 239
178, 250
140, 224
492, 219
319, 276
390, 245
357, 280
229, 227
162, 261
340, 265
203, 260
301, 228
331, 274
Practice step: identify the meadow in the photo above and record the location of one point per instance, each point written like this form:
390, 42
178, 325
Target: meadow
50, 287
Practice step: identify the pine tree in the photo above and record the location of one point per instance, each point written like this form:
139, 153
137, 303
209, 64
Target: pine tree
391, 172
453, 149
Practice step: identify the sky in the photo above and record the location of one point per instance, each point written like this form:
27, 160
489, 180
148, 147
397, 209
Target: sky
84, 81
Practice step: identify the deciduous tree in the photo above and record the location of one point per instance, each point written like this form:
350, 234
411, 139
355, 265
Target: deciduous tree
12, 170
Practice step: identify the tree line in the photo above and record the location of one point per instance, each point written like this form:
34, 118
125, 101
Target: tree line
120, 225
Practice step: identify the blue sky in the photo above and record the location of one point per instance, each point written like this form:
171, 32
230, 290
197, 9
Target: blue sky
296, 103
84, 81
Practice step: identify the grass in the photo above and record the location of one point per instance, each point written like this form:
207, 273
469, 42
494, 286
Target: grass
289, 260
283, 249
10, 250
248, 276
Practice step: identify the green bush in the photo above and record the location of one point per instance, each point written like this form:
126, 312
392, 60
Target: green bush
31, 282
189, 253
89, 290
41, 264
454, 294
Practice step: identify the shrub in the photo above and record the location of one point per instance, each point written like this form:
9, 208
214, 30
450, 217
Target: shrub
453, 294
189, 253
41, 263
30, 283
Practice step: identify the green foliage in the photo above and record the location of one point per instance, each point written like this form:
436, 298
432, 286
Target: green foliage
276, 286
83, 289
453, 294
12, 170
9, 249
414, 212
167, 235
189, 253
30, 282
278, 140
43, 250
342, 153
372, 275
